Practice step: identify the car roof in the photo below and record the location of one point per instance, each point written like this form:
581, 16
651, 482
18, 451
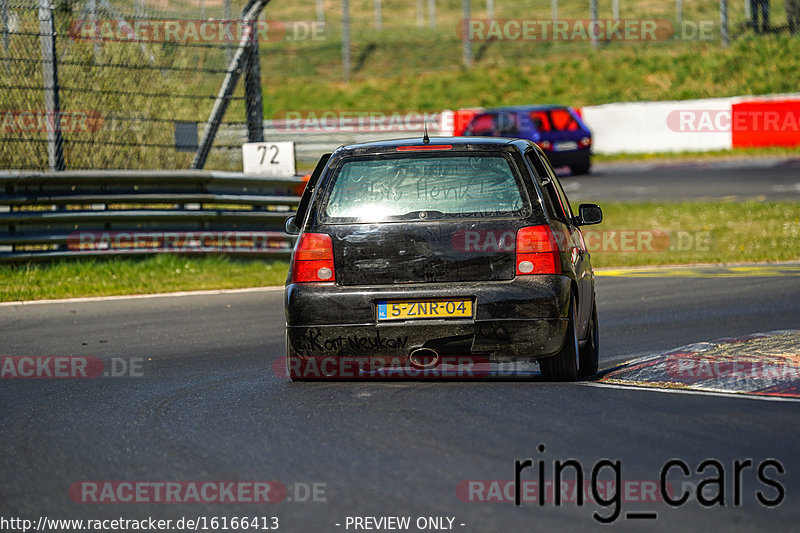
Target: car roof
458, 143
544, 107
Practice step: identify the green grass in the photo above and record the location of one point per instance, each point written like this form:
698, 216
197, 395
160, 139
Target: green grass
727, 233
395, 76
698, 232
154, 274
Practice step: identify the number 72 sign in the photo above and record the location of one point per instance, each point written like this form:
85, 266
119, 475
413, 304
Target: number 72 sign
273, 159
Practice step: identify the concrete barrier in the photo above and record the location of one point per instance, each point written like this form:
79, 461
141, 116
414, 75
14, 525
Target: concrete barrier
642, 127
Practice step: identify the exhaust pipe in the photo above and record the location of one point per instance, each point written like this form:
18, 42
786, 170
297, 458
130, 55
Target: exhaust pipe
424, 358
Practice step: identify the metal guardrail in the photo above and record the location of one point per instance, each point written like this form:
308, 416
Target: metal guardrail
80, 213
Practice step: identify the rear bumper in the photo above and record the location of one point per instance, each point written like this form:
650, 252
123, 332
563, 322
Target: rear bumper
524, 318
568, 159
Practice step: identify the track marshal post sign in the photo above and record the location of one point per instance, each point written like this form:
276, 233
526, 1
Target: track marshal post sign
269, 158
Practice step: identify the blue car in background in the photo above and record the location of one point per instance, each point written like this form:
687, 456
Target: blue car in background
558, 130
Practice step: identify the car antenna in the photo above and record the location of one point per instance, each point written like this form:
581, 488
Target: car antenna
425, 138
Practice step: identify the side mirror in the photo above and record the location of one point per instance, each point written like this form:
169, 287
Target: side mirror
589, 214
290, 227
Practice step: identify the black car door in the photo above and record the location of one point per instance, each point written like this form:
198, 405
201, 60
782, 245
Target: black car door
567, 234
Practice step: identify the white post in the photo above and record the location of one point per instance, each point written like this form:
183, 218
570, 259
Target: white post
55, 143
432, 13
723, 22
467, 43
321, 11
554, 8
378, 15
4, 22
345, 40
226, 14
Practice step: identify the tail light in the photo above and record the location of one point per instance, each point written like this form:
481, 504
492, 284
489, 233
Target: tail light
537, 251
545, 145
585, 142
313, 259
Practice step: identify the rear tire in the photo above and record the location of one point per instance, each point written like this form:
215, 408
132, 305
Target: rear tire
564, 365
582, 167
590, 351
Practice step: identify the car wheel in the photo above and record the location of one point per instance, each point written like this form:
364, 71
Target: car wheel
564, 365
590, 351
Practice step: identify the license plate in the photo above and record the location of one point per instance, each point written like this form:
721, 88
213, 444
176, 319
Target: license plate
570, 145
414, 309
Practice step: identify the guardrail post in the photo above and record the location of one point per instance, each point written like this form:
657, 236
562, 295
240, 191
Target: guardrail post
55, 142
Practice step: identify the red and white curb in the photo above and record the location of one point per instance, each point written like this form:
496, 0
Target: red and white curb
761, 364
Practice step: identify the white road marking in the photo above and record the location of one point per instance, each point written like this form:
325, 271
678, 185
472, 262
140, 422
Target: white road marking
786, 188
741, 396
141, 296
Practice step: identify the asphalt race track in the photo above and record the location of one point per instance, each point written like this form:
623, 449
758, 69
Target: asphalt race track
207, 406
733, 180
198, 400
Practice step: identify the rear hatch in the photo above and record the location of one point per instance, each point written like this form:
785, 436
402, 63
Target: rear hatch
560, 128
432, 216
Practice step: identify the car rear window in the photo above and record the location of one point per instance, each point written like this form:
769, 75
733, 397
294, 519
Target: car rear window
558, 119
423, 186
493, 124
563, 120
481, 125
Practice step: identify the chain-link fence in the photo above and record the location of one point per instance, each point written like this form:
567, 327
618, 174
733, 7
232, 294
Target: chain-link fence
497, 32
138, 79
134, 81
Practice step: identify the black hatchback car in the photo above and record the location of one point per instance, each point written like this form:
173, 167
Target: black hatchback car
411, 251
